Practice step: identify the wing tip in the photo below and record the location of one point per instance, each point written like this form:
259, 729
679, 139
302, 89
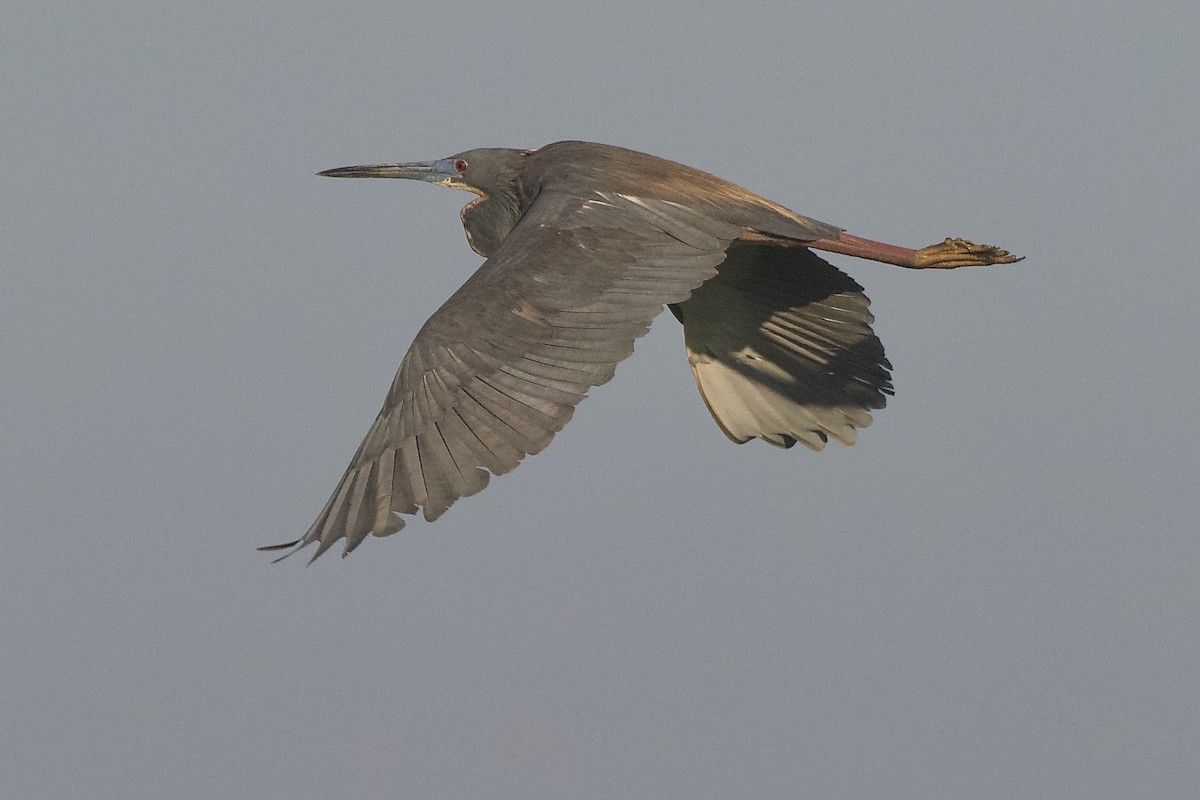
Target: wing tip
292, 547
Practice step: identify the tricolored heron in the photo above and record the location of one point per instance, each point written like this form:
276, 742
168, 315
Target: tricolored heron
584, 245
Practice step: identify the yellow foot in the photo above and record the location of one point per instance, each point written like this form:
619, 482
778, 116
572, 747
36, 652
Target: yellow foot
961, 253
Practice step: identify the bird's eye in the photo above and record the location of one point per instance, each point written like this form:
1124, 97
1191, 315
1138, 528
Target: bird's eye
460, 166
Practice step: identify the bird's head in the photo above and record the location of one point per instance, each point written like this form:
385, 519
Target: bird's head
484, 172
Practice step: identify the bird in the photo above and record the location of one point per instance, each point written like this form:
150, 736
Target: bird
584, 245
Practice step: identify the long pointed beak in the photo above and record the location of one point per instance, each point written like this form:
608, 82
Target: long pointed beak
432, 171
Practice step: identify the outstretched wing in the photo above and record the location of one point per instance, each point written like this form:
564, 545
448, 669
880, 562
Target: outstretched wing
499, 368
781, 346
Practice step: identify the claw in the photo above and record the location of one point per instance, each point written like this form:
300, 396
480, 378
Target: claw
954, 253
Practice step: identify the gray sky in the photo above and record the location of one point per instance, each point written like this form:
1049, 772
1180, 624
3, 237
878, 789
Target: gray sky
995, 594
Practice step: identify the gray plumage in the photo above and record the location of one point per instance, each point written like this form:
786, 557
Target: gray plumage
585, 244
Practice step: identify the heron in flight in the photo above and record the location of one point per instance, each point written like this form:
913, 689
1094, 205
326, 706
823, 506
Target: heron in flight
584, 245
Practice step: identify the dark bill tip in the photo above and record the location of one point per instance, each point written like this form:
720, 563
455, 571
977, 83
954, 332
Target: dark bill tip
420, 171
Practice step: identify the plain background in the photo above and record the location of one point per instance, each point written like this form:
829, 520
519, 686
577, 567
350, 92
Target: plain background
995, 594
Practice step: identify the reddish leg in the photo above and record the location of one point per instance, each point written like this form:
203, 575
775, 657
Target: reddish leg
945, 255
